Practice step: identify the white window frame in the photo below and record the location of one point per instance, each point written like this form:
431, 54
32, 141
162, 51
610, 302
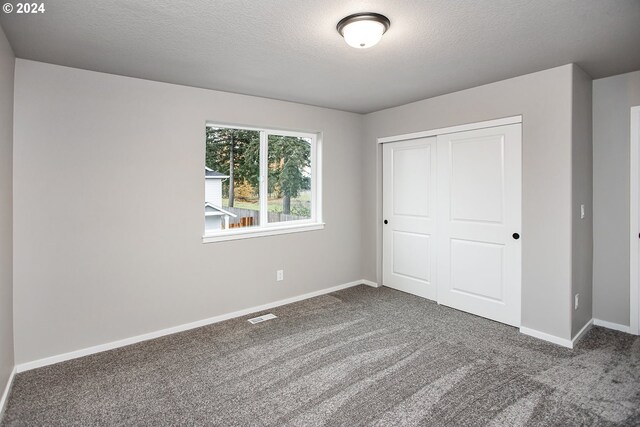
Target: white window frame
269, 229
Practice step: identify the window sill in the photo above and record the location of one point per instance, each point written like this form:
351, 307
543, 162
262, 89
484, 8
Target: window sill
249, 233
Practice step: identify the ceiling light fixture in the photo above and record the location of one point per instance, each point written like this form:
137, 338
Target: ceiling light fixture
363, 30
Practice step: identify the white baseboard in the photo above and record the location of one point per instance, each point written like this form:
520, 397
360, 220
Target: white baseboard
370, 283
5, 394
546, 337
586, 328
570, 343
611, 325
180, 328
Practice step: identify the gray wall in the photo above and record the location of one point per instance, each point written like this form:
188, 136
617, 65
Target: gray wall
7, 62
88, 145
544, 99
613, 98
582, 193
109, 209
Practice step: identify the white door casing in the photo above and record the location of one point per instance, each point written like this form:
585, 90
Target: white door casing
634, 226
409, 193
479, 222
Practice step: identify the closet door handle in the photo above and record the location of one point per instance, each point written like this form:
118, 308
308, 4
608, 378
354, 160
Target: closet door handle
386, 222
516, 236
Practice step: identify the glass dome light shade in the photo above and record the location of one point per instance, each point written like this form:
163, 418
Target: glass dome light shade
363, 30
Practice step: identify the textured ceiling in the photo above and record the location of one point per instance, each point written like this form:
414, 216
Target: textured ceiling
290, 50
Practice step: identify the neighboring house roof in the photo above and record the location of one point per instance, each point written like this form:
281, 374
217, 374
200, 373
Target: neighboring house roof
210, 173
218, 211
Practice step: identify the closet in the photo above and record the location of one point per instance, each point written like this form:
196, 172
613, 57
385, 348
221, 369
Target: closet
452, 217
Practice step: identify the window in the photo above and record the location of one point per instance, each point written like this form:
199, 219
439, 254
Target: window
260, 182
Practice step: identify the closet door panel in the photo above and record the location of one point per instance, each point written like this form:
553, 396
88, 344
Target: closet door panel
479, 210
409, 210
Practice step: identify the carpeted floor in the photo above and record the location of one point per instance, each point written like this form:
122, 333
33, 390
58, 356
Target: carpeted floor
362, 356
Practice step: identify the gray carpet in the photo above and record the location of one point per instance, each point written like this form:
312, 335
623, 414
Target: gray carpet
361, 356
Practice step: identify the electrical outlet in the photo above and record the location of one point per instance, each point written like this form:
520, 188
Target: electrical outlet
280, 275
576, 301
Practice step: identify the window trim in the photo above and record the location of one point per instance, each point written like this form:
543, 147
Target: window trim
283, 227
248, 233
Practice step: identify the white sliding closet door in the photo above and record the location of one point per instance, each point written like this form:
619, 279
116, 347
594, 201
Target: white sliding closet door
409, 192
479, 220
